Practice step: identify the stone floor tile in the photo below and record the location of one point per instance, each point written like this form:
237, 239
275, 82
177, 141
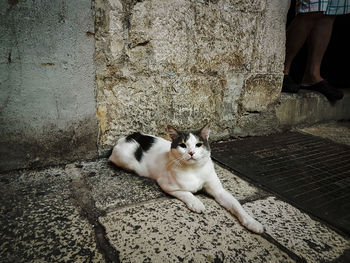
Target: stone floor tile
238, 187
298, 232
166, 231
336, 131
113, 187
38, 223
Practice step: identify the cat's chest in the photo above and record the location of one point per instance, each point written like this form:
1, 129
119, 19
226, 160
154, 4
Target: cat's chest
190, 180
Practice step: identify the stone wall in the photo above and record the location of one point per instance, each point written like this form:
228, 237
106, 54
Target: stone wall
47, 80
188, 62
136, 65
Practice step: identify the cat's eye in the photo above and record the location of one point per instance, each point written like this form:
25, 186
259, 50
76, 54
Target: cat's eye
182, 145
199, 144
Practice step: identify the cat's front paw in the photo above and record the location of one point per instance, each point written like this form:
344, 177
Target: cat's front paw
196, 205
254, 226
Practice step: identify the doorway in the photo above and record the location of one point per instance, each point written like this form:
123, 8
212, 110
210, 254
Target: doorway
336, 61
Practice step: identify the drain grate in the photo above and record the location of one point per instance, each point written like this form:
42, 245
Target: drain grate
310, 172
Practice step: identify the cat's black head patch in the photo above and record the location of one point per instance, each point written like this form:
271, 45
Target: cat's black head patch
205, 141
181, 137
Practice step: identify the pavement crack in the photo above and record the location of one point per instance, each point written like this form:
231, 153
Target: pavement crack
253, 198
83, 200
290, 253
344, 258
150, 201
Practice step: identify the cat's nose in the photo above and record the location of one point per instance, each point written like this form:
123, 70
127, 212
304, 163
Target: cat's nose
191, 153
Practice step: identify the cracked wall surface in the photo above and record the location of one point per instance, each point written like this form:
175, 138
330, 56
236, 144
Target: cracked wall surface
186, 63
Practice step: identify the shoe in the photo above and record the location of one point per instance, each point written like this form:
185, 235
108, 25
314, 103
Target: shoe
326, 89
289, 85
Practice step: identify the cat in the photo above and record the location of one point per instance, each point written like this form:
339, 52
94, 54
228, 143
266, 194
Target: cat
181, 167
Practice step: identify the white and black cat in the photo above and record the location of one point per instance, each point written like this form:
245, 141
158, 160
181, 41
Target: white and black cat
180, 167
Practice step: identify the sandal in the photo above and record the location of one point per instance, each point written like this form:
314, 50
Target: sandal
289, 85
325, 88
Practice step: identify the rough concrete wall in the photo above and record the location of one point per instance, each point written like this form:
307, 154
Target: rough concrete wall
187, 62
47, 79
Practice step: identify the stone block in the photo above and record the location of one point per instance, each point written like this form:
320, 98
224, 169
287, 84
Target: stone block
260, 91
38, 221
184, 63
148, 104
336, 131
167, 231
310, 107
238, 187
112, 187
269, 43
297, 231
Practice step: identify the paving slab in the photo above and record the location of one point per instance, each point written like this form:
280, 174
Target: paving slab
238, 187
113, 187
74, 214
166, 231
308, 238
38, 222
336, 131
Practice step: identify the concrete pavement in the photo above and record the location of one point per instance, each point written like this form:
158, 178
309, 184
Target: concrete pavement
91, 211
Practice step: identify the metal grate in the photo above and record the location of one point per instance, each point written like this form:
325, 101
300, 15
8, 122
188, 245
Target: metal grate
310, 172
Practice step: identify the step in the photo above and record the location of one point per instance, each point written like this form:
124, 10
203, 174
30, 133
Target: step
306, 107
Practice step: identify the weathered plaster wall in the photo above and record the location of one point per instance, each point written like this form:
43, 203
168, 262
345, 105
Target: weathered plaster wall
187, 62
47, 79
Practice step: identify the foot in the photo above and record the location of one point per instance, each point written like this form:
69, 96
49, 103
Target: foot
195, 205
253, 225
289, 85
326, 89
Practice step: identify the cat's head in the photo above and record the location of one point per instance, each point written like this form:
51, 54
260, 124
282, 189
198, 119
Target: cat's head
190, 147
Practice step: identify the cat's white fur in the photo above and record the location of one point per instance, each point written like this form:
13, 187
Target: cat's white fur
181, 172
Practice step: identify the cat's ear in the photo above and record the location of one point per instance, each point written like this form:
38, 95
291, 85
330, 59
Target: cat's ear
205, 131
172, 132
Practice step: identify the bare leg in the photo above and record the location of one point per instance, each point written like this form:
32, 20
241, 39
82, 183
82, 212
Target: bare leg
318, 30
317, 45
297, 33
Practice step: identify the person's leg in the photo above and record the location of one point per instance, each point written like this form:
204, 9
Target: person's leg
317, 44
297, 33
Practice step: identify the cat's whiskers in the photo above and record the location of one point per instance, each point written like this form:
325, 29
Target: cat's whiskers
174, 161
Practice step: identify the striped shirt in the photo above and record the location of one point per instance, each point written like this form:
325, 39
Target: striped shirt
328, 7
